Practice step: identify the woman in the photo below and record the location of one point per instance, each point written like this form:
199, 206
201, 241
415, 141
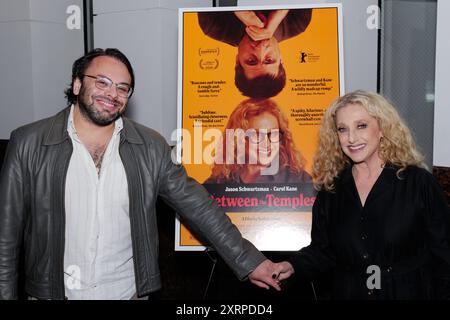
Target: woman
380, 221
260, 147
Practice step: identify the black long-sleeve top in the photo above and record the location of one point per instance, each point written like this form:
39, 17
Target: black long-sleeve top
403, 228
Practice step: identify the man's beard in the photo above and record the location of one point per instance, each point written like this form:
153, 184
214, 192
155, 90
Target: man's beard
97, 117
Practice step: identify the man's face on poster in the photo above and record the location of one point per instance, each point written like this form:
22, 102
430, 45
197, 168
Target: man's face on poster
259, 58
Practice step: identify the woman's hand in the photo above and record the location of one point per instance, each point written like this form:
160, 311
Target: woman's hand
283, 271
249, 18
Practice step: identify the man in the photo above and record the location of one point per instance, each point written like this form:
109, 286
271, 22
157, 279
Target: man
259, 71
79, 190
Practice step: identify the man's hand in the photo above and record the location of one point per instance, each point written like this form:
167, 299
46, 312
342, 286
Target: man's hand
268, 274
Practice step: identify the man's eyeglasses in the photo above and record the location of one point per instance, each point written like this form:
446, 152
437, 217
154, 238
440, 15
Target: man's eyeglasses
123, 90
258, 136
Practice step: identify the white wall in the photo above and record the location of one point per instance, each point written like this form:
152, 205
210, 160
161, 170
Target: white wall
54, 49
441, 148
37, 53
16, 89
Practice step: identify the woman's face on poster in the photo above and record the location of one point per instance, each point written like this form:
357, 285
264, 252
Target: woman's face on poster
264, 144
259, 58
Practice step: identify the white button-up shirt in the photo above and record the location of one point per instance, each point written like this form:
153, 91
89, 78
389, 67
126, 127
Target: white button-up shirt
98, 257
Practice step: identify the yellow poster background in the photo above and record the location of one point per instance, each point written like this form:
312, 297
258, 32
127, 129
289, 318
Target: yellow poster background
208, 87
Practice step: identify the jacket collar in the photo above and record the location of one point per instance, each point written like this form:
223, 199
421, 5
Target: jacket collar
129, 132
57, 132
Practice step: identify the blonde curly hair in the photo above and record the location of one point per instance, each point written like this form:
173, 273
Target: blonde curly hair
397, 146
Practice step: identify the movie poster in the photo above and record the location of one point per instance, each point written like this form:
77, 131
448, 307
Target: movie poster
254, 83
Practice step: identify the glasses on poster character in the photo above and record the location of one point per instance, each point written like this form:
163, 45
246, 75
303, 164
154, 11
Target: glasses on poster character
259, 136
124, 90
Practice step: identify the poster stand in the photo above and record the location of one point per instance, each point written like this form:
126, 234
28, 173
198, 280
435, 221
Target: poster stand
212, 255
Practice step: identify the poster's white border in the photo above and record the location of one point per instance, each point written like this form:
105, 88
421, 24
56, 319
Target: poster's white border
178, 138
